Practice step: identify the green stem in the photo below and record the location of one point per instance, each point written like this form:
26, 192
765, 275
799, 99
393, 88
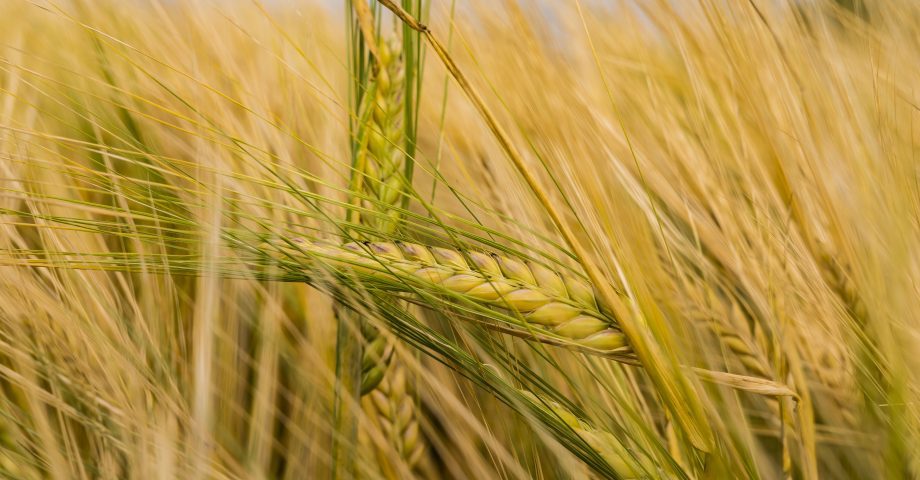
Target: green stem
346, 411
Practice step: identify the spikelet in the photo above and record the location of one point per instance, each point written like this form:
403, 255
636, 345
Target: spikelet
378, 353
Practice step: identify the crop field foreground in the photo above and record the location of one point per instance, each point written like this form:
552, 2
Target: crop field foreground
454, 239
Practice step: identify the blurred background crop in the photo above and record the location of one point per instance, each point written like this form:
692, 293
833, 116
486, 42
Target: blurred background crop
284, 239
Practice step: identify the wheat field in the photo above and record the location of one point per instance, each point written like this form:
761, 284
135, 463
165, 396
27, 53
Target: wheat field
512, 239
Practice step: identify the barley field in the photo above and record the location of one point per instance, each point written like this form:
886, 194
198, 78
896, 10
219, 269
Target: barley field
509, 239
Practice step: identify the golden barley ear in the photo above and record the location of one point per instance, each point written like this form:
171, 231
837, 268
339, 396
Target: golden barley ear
557, 306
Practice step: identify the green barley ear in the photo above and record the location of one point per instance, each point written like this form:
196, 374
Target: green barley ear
380, 183
382, 156
385, 140
382, 168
